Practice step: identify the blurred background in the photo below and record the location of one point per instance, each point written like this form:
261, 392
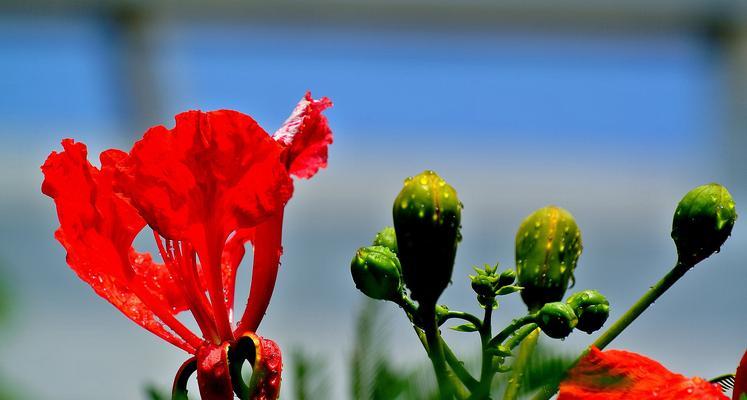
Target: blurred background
612, 110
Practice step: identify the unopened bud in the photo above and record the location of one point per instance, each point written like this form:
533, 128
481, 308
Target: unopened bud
592, 309
484, 285
427, 214
702, 222
377, 273
507, 277
557, 320
548, 245
386, 238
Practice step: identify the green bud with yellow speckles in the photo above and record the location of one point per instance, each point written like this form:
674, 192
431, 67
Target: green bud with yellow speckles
427, 214
387, 238
548, 245
592, 309
557, 320
702, 222
377, 273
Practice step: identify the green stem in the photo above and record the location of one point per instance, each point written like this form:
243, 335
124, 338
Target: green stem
409, 306
511, 328
463, 381
461, 315
436, 353
458, 384
487, 357
458, 368
486, 370
520, 335
633, 312
641, 305
421, 336
517, 376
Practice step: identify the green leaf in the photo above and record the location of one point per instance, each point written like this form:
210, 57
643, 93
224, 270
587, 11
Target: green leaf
468, 327
508, 290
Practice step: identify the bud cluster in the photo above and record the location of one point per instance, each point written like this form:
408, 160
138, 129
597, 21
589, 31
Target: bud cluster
419, 251
586, 310
488, 284
414, 260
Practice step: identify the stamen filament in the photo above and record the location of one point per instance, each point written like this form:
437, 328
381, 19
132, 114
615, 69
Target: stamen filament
175, 266
165, 315
159, 310
188, 261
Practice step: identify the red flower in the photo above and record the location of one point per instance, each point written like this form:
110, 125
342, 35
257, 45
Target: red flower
740, 380
622, 375
206, 187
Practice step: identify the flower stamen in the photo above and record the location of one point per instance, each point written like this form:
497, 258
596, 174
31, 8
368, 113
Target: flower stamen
196, 302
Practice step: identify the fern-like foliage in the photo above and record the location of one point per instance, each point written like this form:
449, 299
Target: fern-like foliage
546, 368
309, 376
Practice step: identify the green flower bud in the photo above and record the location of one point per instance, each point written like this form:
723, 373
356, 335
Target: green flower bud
376, 273
484, 285
386, 238
427, 215
592, 309
548, 245
557, 320
702, 222
507, 277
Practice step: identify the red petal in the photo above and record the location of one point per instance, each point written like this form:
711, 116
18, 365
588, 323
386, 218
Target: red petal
306, 136
97, 229
213, 174
213, 373
740, 384
616, 374
267, 251
216, 170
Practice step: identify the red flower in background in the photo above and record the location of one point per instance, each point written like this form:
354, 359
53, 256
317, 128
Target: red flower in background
740, 380
206, 187
622, 375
